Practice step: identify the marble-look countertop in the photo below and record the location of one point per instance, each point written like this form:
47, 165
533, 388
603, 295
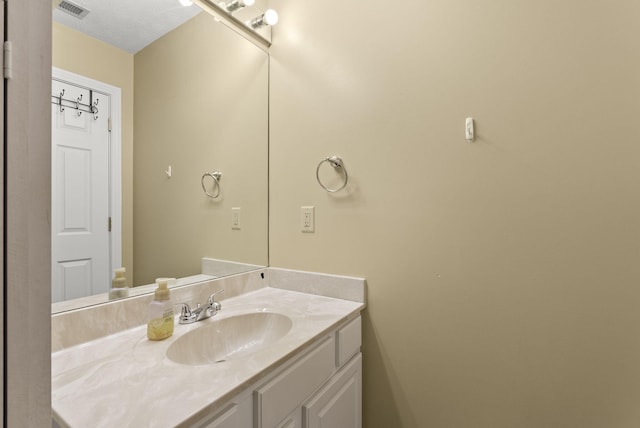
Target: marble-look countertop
126, 380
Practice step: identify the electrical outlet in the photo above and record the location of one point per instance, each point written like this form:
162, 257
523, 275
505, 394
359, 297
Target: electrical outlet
307, 219
235, 218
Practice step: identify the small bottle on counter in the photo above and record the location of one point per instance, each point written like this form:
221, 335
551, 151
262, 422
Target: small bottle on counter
119, 287
161, 315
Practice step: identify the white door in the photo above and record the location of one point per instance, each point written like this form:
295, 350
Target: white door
79, 193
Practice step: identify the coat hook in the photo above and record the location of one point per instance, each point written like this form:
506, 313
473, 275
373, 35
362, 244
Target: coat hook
94, 109
78, 105
60, 101
168, 172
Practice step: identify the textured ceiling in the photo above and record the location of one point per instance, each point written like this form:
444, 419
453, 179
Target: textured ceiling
128, 24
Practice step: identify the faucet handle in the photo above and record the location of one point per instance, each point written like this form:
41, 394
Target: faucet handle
186, 316
212, 300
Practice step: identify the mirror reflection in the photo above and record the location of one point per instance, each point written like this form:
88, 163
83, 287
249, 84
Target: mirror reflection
192, 102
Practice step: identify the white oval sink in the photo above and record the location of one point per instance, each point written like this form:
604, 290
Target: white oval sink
229, 338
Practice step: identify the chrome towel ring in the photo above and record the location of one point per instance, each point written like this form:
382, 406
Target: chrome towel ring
216, 183
338, 164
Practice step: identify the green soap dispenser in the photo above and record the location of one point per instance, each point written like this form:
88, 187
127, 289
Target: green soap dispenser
161, 315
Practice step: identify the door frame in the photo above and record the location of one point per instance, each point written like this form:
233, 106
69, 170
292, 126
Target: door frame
27, 221
115, 156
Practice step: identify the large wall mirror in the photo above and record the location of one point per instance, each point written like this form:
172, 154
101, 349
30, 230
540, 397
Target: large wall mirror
194, 102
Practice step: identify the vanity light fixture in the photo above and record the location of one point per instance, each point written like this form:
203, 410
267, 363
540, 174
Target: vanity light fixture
270, 17
238, 4
236, 15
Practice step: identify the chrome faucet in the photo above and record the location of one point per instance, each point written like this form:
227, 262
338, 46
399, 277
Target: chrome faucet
189, 316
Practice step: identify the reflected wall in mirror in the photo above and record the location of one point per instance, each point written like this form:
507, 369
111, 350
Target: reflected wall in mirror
195, 100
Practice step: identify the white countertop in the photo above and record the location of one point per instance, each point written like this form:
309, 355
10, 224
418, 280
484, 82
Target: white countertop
126, 380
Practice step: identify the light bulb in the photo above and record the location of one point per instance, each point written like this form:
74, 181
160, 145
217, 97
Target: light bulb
270, 17
238, 4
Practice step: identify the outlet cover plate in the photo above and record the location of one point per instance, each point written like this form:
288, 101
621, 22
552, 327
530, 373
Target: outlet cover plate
307, 219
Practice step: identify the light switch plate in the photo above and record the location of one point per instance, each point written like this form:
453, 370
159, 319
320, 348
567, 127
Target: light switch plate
235, 218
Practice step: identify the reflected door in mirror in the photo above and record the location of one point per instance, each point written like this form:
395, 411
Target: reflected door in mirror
80, 193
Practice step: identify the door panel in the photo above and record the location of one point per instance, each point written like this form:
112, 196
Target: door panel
76, 275
74, 191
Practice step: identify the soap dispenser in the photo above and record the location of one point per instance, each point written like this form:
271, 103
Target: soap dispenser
161, 315
119, 287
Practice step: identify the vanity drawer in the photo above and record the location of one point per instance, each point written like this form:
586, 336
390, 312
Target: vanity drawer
278, 398
225, 419
238, 413
349, 339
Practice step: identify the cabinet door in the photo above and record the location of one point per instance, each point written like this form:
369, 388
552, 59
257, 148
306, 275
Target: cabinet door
339, 403
286, 392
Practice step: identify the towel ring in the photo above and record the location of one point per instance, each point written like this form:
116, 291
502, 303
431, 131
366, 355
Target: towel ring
338, 164
216, 177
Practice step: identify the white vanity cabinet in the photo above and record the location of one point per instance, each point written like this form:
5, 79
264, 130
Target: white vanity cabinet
322, 387
303, 370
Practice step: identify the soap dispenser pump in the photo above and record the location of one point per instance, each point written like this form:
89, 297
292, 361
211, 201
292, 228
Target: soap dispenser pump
161, 315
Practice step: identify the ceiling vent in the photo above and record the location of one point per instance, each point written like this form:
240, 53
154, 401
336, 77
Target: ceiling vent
73, 9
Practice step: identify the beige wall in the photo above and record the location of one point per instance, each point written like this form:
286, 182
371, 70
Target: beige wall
503, 275
84, 55
201, 105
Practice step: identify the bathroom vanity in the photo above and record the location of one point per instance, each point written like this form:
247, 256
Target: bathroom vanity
284, 351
